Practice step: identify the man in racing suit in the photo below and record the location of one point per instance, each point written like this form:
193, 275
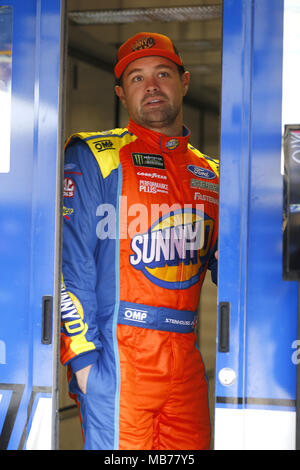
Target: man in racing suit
140, 231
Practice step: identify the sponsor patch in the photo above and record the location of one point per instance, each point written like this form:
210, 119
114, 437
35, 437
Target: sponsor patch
101, 145
179, 239
200, 172
135, 315
143, 43
204, 185
205, 198
153, 187
158, 318
70, 166
172, 144
148, 160
175, 321
151, 175
71, 314
69, 187
67, 211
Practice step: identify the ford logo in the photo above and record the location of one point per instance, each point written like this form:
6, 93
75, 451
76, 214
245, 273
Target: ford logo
201, 172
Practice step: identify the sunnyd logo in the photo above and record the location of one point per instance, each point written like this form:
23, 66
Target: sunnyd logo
174, 251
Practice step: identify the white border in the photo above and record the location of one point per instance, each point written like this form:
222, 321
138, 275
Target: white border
252, 429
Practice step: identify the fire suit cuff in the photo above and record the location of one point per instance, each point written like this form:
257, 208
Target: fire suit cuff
84, 360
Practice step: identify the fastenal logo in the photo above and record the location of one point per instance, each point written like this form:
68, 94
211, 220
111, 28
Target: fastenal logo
173, 252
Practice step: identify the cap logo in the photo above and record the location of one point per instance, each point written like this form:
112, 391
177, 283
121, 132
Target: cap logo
143, 43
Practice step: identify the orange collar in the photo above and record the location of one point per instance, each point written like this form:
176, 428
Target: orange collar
165, 143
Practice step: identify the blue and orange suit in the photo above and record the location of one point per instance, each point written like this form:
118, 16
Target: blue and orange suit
140, 229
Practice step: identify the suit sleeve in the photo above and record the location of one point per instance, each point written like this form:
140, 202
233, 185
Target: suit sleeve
80, 338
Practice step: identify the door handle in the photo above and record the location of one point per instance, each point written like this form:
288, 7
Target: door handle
47, 308
224, 327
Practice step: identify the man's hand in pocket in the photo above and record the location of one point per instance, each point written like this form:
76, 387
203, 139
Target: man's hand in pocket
82, 376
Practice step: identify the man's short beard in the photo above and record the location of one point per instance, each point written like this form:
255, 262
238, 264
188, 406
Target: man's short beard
159, 118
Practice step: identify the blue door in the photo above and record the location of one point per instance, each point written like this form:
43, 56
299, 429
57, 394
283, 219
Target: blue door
257, 309
30, 155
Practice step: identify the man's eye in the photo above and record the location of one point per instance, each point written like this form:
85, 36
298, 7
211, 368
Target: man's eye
163, 74
137, 78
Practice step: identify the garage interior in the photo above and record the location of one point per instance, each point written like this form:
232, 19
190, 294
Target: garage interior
94, 32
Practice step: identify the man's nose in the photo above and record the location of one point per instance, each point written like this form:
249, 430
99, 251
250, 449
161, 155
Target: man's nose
151, 85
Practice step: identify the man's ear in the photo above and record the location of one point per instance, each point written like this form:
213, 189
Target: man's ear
185, 82
120, 93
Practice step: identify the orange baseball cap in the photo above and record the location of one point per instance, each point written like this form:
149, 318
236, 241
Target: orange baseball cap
145, 45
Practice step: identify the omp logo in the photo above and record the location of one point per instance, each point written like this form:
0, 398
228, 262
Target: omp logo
173, 252
135, 315
102, 145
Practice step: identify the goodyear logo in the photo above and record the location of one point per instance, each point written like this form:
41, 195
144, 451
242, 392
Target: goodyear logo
174, 251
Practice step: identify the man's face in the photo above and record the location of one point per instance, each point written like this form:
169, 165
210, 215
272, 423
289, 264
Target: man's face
152, 92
